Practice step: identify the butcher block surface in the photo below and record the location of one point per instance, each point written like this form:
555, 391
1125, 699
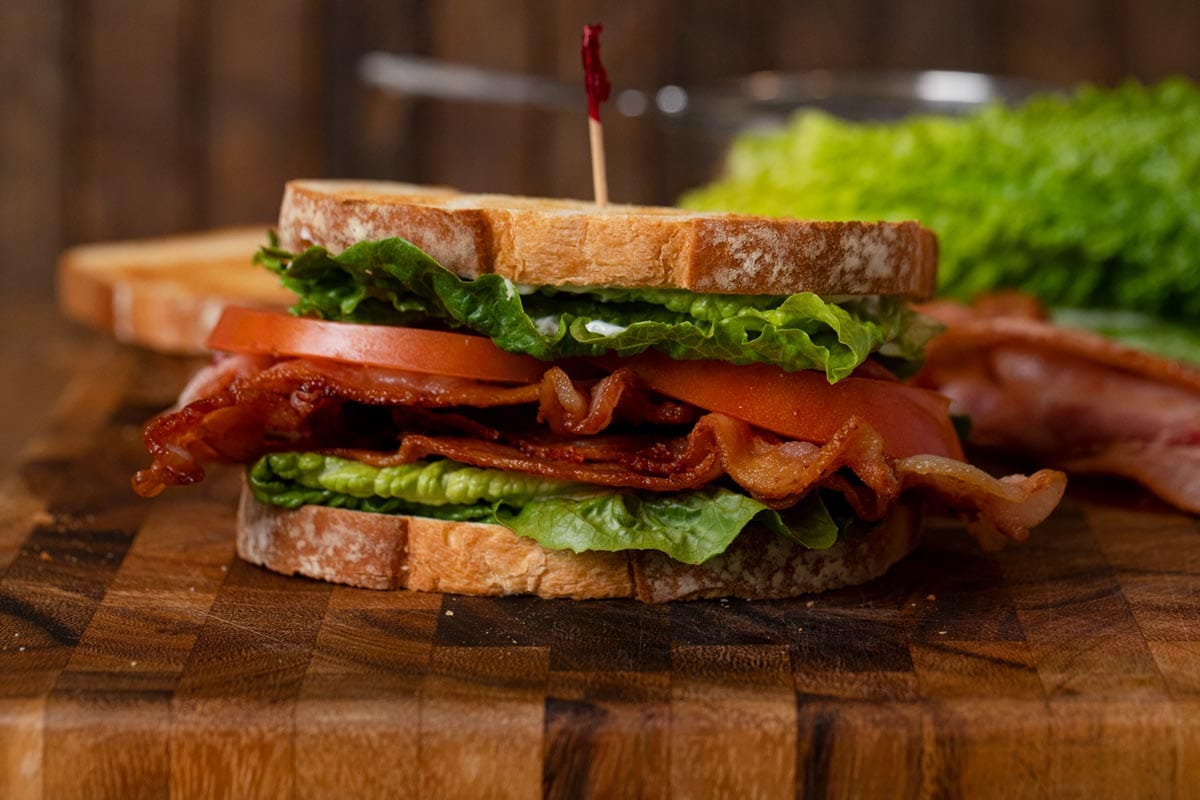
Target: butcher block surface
140, 658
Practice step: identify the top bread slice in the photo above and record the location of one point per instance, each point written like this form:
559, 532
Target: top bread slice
537, 241
167, 293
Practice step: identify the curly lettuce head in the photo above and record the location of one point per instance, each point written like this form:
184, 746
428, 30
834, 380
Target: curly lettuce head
1089, 200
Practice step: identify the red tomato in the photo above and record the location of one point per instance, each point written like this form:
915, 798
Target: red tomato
242, 330
800, 405
803, 405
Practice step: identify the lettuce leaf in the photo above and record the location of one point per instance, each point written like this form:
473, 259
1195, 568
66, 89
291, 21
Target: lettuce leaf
691, 527
432, 483
393, 282
688, 526
1088, 201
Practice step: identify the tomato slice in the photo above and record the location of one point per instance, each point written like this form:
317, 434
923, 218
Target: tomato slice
803, 405
243, 330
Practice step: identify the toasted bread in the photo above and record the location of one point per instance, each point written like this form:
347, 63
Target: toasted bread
382, 551
167, 293
538, 241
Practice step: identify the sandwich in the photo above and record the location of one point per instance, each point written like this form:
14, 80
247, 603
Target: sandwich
492, 395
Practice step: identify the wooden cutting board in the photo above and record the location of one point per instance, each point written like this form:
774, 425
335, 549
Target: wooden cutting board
139, 657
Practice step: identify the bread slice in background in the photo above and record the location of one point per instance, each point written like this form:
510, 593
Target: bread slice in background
167, 293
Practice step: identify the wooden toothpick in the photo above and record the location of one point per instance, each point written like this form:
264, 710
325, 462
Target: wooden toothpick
598, 89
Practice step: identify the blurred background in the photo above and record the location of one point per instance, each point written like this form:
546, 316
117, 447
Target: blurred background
126, 118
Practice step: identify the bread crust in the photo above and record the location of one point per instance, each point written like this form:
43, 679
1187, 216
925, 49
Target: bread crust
380, 551
167, 293
567, 242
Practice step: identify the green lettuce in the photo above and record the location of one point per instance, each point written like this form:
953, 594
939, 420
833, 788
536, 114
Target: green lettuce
1089, 201
393, 282
691, 527
688, 526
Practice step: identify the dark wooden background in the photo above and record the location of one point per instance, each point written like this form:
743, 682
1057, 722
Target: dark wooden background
137, 117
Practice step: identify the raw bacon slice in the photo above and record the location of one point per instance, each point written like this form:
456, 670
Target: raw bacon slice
1172, 473
1069, 398
1000, 326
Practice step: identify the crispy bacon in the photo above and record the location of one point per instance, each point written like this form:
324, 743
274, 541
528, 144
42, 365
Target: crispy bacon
1007, 506
775, 472
566, 408
302, 404
1069, 398
252, 408
220, 374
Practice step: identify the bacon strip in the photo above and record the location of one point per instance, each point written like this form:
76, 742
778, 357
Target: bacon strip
1069, 398
251, 408
777, 473
567, 409
1006, 324
220, 375
297, 404
1008, 506
774, 471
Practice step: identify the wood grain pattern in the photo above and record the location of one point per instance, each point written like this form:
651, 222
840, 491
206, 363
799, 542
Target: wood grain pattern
129, 130
475, 144
374, 133
482, 722
139, 657
262, 123
604, 730
716, 691
1154, 34
1061, 41
358, 716
34, 74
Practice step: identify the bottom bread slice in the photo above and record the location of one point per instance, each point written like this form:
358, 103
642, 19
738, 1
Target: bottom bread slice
382, 551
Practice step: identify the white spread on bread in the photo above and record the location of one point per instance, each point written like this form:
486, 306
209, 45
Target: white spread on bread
602, 328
